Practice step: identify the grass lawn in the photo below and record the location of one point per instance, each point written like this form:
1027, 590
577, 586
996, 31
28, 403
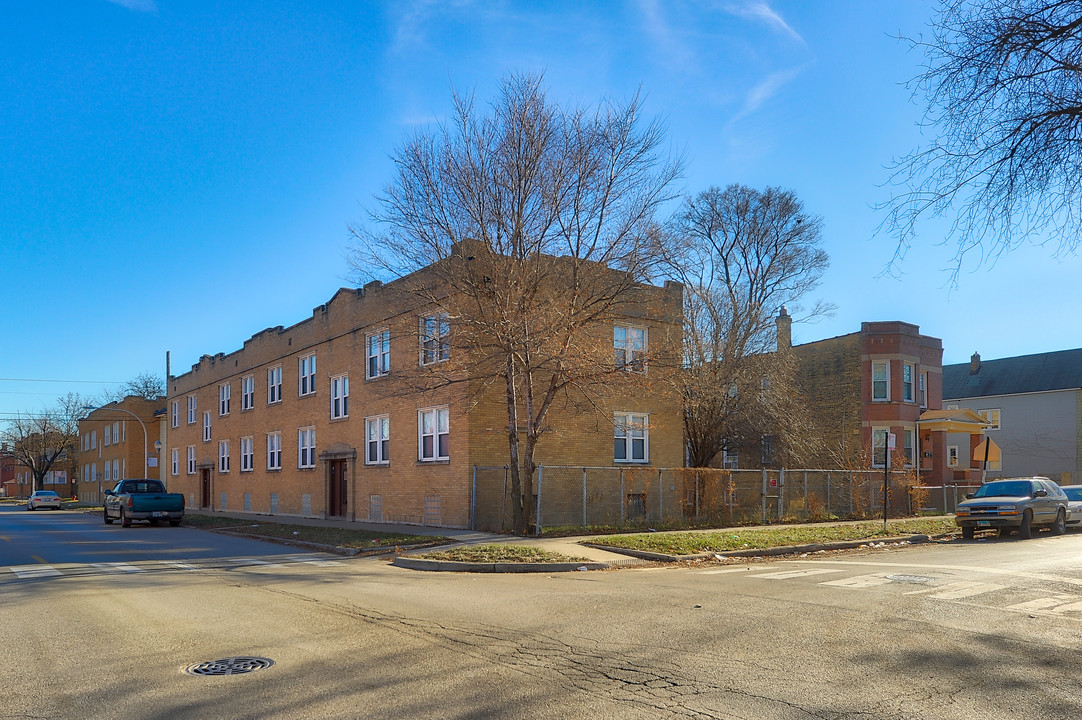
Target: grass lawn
721, 541
501, 553
343, 537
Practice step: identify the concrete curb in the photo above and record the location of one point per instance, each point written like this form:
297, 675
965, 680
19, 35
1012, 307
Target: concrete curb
452, 566
761, 552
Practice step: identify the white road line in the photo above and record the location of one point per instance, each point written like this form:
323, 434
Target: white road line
179, 565
724, 570
785, 575
859, 581
1042, 603
26, 572
253, 561
117, 567
959, 590
1070, 607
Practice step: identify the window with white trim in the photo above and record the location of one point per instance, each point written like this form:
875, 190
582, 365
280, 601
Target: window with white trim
924, 390
306, 447
206, 426
93, 439
306, 372
274, 451
247, 454
191, 459
224, 392
952, 456
907, 382
631, 437
435, 331
433, 434
909, 445
339, 397
247, 392
880, 381
629, 346
223, 456
107, 439
879, 446
377, 431
174, 461
117, 437
174, 414
191, 409
274, 385
378, 354
990, 415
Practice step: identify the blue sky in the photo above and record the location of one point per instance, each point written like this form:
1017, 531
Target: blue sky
176, 176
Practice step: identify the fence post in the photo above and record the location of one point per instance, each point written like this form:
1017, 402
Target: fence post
660, 498
623, 500
763, 493
781, 493
584, 498
698, 479
473, 501
540, 475
805, 494
851, 508
829, 511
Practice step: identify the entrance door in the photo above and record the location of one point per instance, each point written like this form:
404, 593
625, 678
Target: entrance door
204, 489
337, 489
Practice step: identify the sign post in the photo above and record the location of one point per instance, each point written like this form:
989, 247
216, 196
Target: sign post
887, 447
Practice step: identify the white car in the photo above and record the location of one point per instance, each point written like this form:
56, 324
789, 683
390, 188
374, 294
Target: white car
1074, 501
43, 499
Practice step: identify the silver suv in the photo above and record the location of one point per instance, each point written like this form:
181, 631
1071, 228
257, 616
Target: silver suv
1015, 504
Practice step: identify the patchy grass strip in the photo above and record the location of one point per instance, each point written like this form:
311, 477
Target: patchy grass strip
339, 537
500, 553
690, 543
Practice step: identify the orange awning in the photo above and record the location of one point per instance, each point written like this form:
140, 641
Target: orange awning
962, 420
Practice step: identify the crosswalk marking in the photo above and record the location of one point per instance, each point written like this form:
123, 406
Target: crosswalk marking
859, 581
786, 574
118, 567
179, 565
1043, 603
725, 570
1069, 607
25, 572
957, 590
253, 561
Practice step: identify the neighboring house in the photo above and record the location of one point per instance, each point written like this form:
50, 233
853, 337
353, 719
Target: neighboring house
7, 473
861, 386
112, 441
312, 420
1034, 406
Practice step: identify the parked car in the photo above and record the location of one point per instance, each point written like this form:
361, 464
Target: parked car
43, 499
142, 499
1020, 504
1074, 503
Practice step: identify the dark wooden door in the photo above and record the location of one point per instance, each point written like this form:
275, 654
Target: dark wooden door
337, 490
204, 488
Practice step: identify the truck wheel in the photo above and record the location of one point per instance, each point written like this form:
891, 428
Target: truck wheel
967, 533
108, 520
174, 523
1025, 530
125, 521
1060, 526
1004, 531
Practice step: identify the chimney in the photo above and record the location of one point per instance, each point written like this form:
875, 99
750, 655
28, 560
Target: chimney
975, 364
784, 321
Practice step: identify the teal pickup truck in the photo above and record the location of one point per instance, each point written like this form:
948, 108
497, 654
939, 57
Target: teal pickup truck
142, 500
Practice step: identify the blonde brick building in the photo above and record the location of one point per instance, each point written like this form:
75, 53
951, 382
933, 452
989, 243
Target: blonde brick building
330, 417
112, 441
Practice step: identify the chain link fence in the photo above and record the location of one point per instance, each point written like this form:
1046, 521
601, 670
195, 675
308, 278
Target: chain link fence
643, 497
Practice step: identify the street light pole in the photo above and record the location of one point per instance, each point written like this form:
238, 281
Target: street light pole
141, 424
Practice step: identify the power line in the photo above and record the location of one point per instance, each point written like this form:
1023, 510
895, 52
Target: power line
92, 382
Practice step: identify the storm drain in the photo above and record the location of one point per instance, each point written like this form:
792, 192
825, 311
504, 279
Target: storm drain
229, 666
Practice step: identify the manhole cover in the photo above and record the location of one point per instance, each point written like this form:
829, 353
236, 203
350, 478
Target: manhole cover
229, 666
915, 579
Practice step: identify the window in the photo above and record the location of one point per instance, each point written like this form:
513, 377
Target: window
632, 441
880, 382
433, 434
174, 461
93, 439
435, 330
107, 439
223, 399
909, 438
247, 392
191, 459
379, 354
629, 344
116, 470
206, 426
952, 456
923, 390
377, 432
306, 447
274, 385
766, 450
246, 455
306, 384
191, 409
116, 432
907, 382
339, 397
990, 415
223, 456
174, 414
274, 451
879, 446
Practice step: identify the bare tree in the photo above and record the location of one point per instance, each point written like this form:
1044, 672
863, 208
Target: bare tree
534, 220
1003, 93
742, 255
47, 440
145, 385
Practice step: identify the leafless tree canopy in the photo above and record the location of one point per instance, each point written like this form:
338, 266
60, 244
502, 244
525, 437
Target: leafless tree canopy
145, 385
1003, 93
742, 255
47, 440
536, 220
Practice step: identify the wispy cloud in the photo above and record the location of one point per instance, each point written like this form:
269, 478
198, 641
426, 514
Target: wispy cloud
759, 10
137, 5
765, 90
